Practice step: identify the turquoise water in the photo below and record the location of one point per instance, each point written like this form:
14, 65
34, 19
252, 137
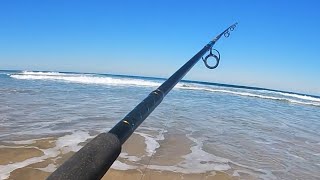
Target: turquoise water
245, 132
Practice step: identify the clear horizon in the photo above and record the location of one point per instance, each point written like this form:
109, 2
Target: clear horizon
275, 45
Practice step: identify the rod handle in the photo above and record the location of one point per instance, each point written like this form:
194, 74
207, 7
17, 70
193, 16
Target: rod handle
92, 161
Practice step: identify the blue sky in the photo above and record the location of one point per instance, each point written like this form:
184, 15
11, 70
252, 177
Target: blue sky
276, 44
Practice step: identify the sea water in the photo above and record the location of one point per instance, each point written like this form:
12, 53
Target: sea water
245, 132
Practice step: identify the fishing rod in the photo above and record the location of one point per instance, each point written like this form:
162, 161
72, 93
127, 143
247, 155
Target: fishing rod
94, 159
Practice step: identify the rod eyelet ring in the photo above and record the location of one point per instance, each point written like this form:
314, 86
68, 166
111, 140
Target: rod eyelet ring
226, 34
217, 58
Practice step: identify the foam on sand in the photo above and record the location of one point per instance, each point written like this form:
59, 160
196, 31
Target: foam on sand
31, 141
118, 165
151, 142
198, 161
130, 158
63, 145
50, 168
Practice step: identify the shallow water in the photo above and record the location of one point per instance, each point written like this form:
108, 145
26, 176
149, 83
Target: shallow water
261, 134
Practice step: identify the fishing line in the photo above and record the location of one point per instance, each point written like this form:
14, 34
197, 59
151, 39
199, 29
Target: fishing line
170, 117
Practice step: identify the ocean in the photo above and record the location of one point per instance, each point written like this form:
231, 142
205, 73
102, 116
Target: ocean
199, 128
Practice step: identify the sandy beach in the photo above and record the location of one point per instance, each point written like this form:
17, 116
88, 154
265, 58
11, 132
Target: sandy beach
30, 159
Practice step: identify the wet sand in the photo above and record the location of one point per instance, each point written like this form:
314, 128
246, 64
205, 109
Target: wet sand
35, 164
12, 155
29, 173
160, 175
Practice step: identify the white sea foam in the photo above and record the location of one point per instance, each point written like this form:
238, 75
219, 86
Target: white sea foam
71, 142
305, 97
247, 94
130, 158
50, 168
32, 141
194, 162
236, 173
42, 73
85, 79
118, 165
64, 144
151, 142
121, 81
5, 170
198, 161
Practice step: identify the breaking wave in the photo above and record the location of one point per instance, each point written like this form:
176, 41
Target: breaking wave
83, 78
126, 81
299, 99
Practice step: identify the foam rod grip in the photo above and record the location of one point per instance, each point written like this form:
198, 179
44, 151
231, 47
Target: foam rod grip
92, 161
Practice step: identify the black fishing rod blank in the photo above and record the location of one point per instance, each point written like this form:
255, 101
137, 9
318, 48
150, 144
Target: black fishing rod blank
95, 158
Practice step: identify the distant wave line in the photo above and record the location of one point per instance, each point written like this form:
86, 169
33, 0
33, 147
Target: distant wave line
85, 79
123, 80
253, 95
